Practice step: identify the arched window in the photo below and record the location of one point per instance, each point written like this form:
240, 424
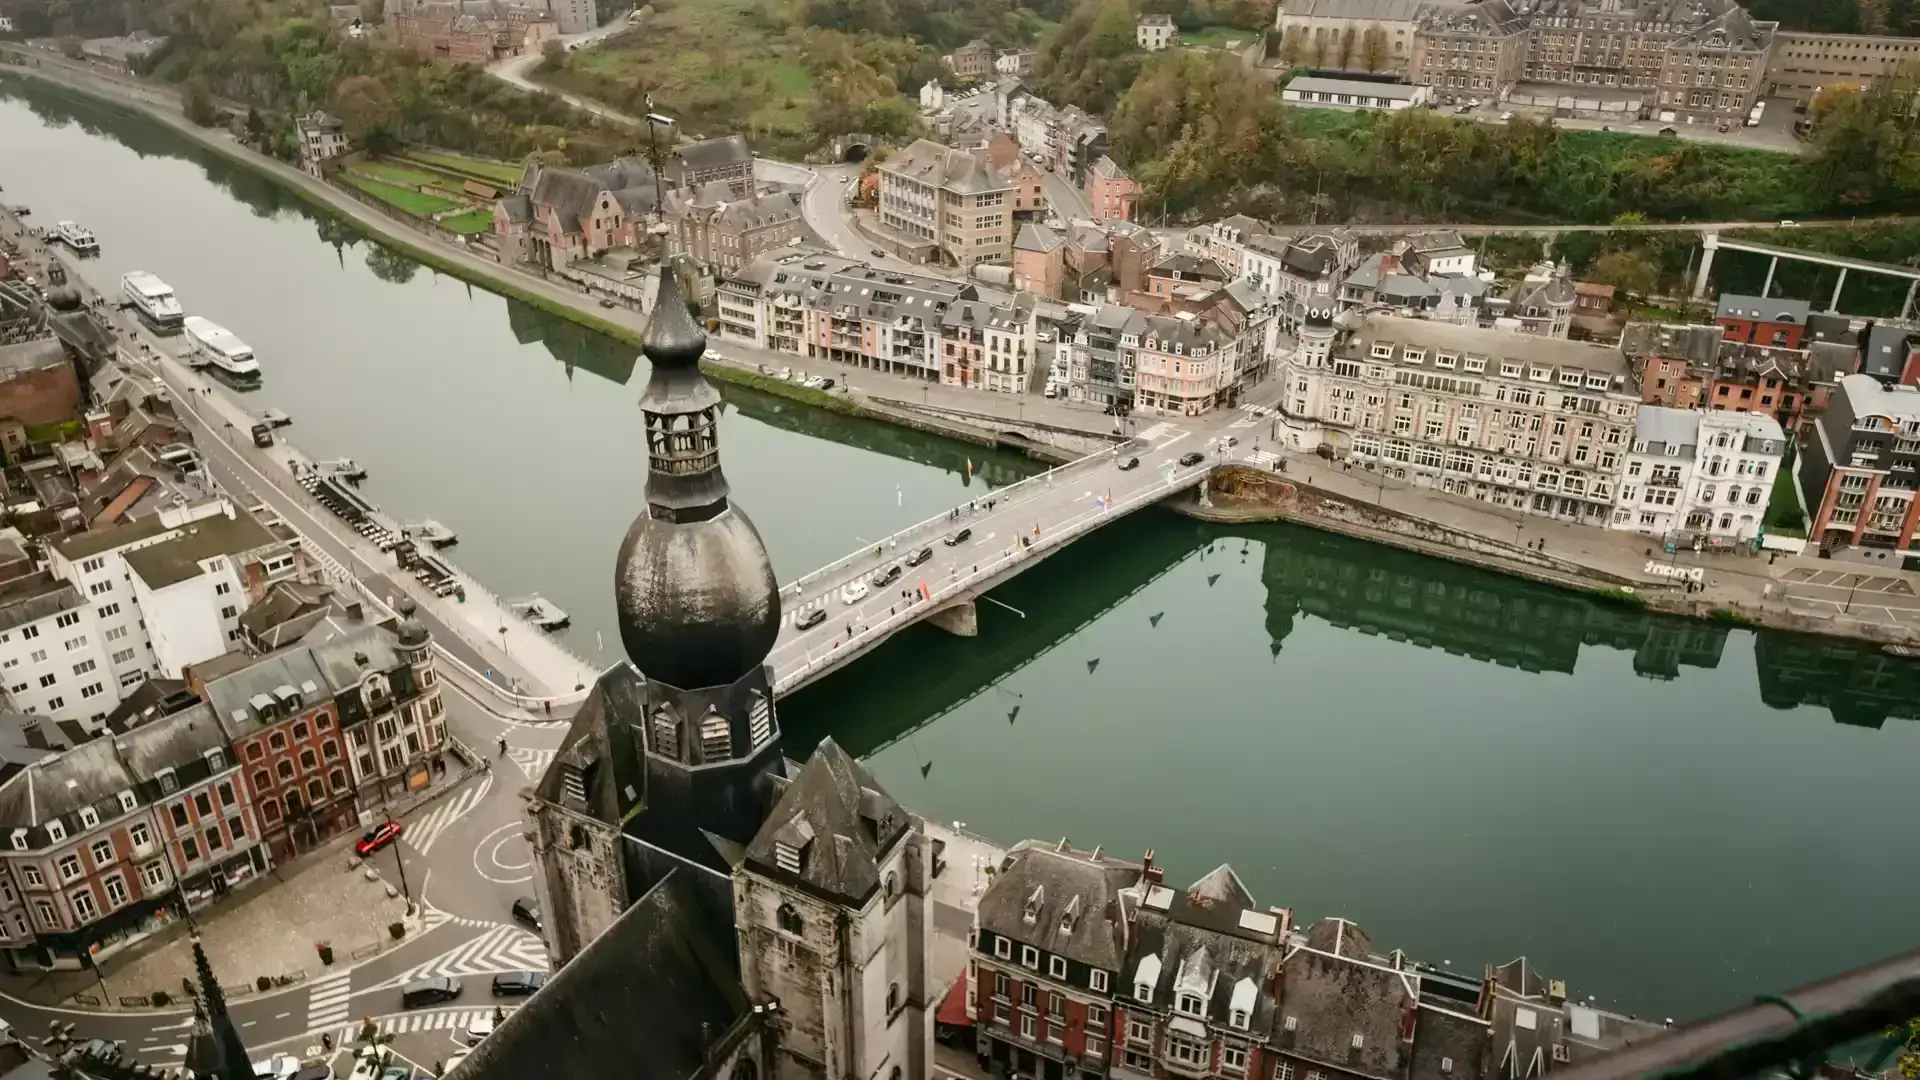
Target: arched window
893, 885
788, 920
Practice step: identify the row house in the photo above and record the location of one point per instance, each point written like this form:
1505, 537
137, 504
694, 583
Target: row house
1532, 423
168, 589
387, 694
562, 215
1698, 367
1039, 261
1029, 194
1862, 467
113, 839
1296, 273
1469, 51
1099, 365
727, 233
1066, 140
725, 161
987, 346
829, 308
1698, 477
1087, 965
1225, 241
1111, 192
1754, 320
951, 199
1185, 365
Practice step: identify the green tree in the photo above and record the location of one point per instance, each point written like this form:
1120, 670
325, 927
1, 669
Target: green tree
1626, 271
1373, 48
389, 265
366, 109
196, 103
256, 126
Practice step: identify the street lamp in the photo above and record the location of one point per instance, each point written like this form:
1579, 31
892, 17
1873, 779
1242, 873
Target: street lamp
503, 640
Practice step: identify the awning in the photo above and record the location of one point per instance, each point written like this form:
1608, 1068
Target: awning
953, 1009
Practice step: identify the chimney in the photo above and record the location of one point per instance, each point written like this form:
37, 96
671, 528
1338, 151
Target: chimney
1153, 874
35, 737
360, 659
356, 613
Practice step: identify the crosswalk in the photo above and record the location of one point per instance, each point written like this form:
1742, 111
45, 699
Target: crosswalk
1255, 415
328, 1002
407, 1023
532, 762
1262, 458
501, 948
1158, 431
423, 831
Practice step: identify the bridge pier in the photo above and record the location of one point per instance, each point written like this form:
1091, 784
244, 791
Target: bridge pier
1772, 265
1837, 286
1709, 243
961, 619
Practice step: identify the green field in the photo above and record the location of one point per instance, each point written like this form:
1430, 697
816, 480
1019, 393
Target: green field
410, 201
501, 172
471, 223
396, 174
1214, 37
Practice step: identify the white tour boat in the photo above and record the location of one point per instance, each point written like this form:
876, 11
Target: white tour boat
153, 299
217, 347
77, 237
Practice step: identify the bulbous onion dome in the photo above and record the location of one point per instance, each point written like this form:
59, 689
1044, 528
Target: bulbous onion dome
697, 599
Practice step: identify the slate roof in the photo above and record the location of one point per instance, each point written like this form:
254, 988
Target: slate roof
839, 820
1370, 10
88, 544
1334, 990
518, 207
636, 1003
959, 171
1036, 238
146, 702
1693, 343
27, 357
1822, 326
86, 775
1495, 345
34, 597
1884, 353
1755, 309
1660, 427
714, 153
178, 558
759, 213
181, 739
1209, 942
286, 613
336, 647
1100, 889
230, 694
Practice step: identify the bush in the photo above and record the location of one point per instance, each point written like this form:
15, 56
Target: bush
1622, 596
1729, 615
398, 930
263, 984
161, 999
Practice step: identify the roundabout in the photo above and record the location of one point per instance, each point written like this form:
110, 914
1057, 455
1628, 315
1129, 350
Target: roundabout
503, 856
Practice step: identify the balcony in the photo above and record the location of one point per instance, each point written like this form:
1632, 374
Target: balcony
1865, 1016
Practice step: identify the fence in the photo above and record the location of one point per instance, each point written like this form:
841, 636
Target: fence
964, 587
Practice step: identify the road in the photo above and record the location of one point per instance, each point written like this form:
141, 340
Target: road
468, 862
1065, 200
514, 71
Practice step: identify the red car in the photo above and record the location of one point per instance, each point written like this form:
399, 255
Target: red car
378, 837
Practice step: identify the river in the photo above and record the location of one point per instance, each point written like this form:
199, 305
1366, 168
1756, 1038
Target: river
1672, 816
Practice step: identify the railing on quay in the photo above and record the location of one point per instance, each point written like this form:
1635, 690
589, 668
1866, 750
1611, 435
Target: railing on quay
1869, 1011
1038, 480
957, 587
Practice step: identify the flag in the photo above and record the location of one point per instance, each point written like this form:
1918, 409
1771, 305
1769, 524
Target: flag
925, 593
969, 466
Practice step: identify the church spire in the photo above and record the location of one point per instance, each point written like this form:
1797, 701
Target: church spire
214, 1050
682, 410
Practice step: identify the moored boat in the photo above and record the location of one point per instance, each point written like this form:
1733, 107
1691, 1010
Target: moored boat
221, 349
153, 299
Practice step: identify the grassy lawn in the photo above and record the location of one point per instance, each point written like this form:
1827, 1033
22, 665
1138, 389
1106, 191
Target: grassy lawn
502, 172
720, 65
396, 174
1213, 37
471, 223
413, 202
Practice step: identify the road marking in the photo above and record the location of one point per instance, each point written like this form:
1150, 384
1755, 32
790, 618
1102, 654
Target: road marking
249, 1023
501, 949
330, 1000
532, 762
281, 1016
421, 834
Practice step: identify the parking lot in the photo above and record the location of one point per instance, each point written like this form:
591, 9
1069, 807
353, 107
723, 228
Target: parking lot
1876, 597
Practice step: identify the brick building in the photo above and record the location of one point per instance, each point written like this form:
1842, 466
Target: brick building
725, 160
727, 233
1861, 469
1111, 192
1754, 320
38, 384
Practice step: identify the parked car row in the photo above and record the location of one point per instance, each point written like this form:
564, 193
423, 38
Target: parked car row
787, 374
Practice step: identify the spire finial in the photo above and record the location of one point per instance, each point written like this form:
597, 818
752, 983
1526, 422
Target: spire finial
672, 339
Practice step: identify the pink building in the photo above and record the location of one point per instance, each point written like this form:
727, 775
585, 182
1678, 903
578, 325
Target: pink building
1110, 191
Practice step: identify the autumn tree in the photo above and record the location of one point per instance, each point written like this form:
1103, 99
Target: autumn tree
366, 109
196, 103
1628, 272
1373, 48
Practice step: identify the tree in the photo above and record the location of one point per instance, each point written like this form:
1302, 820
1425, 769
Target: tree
553, 55
256, 126
389, 265
366, 109
1347, 43
1290, 50
1626, 271
196, 102
1373, 48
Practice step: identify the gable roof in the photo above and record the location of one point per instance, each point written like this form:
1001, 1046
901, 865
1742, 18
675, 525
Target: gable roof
839, 822
1096, 890
714, 153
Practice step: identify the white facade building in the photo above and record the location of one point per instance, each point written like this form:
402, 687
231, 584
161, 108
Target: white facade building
1701, 477
1155, 32
52, 652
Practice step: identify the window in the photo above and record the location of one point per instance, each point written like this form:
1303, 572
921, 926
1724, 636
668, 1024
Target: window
1233, 1058
237, 825
83, 905
83, 667
70, 618
1098, 981
116, 891
55, 702
190, 849
102, 851
1030, 956
56, 831
213, 839
315, 790
31, 875
1290, 1023
1446, 1065
48, 680
123, 656
222, 589
202, 805
88, 817
69, 866
28, 632
179, 811
107, 611
308, 759
1027, 1024
168, 781
329, 749
1001, 984
1057, 966
139, 835
76, 644
1187, 1053
1002, 948
338, 780
1358, 1040
229, 611
226, 793
277, 740
1189, 1004
43, 909
262, 780
788, 920
893, 998
285, 769
299, 730
1138, 1031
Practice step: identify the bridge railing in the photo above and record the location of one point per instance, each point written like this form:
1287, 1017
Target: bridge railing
790, 673
1032, 483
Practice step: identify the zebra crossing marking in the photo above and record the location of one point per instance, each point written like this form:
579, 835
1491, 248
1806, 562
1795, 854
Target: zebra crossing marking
532, 762
1263, 457
408, 1023
1156, 431
421, 834
329, 1000
1255, 414
500, 948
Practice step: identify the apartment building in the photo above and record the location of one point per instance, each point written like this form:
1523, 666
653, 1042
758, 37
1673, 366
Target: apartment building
826, 307
1111, 192
725, 161
53, 652
386, 693
987, 346
1029, 194
109, 840
1533, 423
1183, 364
1862, 466
1803, 62
168, 589
1466, 51
1700, 367
1696, 477
727, 233
1755, 320
951, 198
1099, 365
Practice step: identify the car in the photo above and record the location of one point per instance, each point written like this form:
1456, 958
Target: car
814, 382
958, 538
1233, 440
878, 254
527, 910
885, 577
1192, 458
826, 384
853, 592
314, 1072
377, 837
1130, 464
1463, 109
277, 1067
783, 374
920, 556
1506, 115
370, 1062
1052, 391
396, 1072
480, 1028
810, 618
518, 983
456, 1058
1789, 223
608, 304
100, 1049
429, 992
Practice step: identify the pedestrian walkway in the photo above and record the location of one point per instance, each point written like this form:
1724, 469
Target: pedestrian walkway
500, 948
444, 1020
421, 832
329, 1002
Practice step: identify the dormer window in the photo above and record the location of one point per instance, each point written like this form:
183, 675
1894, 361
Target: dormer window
759, 718
1070, 916
1358, 1040
216, 760
1030, 957
666, 736
169, 783
1035, 900
88, 817
1144, 977
56, 831
19, 840
127, 802
1238, 1018
1190, 1004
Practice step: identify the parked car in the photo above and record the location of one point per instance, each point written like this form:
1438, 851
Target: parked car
518, 983
1192, 457
826, 384
480, 1028
607, 303
315, 1072
429, 992
377, 837
920, 556
1052, 391
456, 1058
853, 592
810, 618
277, 1067
100, 1049
396, 1072
885, 577
1129, 464
370, 1062
816, 383
959, 538
878, 254
527, 910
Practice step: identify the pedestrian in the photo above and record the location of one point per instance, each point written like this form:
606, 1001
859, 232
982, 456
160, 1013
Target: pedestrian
548, 705
326, 1041
503, 746
437, 1070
